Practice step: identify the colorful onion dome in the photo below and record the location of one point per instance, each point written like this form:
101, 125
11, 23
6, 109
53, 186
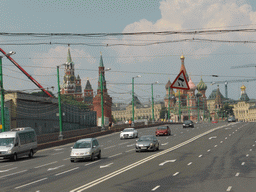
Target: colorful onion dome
201, 86
191, 85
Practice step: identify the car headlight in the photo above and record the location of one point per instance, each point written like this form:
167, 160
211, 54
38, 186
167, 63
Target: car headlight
151, 144
183, 124
9, 151
136, 144
87, 153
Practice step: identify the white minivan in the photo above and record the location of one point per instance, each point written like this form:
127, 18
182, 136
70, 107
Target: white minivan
88, 148
17, 143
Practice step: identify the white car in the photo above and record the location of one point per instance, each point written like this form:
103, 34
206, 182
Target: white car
129, 133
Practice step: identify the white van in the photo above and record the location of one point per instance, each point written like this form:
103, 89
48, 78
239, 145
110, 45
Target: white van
17, 143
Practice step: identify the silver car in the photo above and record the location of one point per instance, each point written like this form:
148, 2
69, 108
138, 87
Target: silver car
129, 133
88, 148
147, 142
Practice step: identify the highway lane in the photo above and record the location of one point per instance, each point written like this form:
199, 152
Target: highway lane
51, 168
220, 161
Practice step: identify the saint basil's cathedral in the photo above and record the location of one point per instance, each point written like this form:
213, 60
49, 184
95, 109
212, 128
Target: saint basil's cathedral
72, 86
186, 104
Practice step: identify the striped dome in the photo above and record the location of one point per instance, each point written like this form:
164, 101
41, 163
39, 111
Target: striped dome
201, 86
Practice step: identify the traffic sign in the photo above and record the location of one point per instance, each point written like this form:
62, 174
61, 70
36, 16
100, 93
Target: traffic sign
180, 82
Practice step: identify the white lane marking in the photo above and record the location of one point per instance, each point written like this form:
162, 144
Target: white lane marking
66, 159
215, 145
208, 150
247, 155
123, 143
66, 171
167, 161
92, 163
200, 155
221, 141
50, 169
155, 188
189, 163
6, 165
227, 128
137, 163
31, 183
229, 188
250, 149
1, 171
242, 163
110, 147
59, 149
165, 143
233, 132
13, 173
253, 145
214, 137
237, 174
129, 150
130, 145
45, 164
58, 153
115, 155
226, 138
103, 166
229, 134
175, 173
236, 129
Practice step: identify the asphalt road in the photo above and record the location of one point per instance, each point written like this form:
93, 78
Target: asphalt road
209, 157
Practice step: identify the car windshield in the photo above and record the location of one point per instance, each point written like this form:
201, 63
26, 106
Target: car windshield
128, 130
187, 122
6, 141
145, 138
161, 128
82, 144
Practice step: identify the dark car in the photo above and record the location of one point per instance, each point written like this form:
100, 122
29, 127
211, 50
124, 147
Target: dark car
188, 123
231, 119
163, 130
147, 143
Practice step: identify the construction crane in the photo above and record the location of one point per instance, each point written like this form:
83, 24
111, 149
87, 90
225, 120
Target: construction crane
244, 66
23, 71
230, 81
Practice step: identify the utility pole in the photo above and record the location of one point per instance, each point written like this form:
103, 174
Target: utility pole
2, 95
198, 109
59, 102
169, 104
102, 103
179, 108
188, 108
138, 76
153, 115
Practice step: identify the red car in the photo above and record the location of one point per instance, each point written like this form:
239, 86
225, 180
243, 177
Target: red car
215, 121
163, 130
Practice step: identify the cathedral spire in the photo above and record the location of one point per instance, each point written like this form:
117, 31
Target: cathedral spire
69, 60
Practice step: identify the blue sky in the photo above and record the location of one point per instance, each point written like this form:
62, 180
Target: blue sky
154, 62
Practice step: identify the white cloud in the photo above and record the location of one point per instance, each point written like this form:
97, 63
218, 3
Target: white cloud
180, 15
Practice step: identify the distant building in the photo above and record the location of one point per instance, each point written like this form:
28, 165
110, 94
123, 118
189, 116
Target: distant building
121, 113
245, 108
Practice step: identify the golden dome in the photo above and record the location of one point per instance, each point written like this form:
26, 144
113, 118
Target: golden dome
243, 88
182, 57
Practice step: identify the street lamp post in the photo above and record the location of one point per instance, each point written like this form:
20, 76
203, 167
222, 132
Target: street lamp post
2, 91
169, 103
59, 102
153, 114
102, 100
138, 76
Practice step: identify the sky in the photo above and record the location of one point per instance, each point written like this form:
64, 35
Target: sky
156, 57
